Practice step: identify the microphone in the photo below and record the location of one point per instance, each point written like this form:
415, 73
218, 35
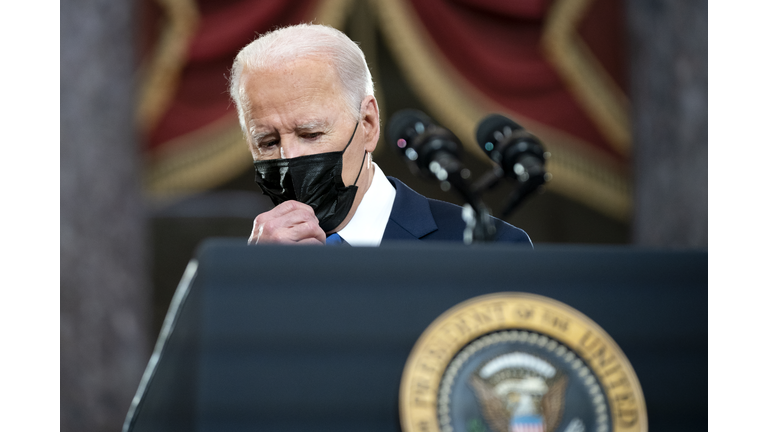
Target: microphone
432, 150
435, 151
519, 153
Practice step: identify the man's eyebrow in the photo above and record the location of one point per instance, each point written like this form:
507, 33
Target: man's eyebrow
317, 124
311, 125
256, 137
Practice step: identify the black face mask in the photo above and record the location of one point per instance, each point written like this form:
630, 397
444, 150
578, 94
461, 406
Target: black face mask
314, 180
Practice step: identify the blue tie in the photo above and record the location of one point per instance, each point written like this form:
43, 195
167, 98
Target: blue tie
334, 239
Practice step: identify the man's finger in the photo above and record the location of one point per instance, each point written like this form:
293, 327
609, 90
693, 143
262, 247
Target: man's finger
291, 223
287, 213
290, 207
293, 233
310, 241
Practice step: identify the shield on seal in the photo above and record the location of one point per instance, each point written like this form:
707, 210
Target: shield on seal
531, 423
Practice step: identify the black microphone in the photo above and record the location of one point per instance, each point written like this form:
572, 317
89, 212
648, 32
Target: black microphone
519, 153
432, 150
435, 151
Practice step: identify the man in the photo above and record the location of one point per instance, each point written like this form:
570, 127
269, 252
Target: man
304, 97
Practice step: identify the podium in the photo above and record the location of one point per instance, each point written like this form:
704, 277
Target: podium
286, 338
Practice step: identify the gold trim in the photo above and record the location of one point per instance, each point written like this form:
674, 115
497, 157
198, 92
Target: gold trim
578, 171
588, 177
445, 92
333, 13
161, 75
198, 161
588, 81
479, 316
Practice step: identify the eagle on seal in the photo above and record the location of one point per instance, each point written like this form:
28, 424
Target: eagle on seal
518, 399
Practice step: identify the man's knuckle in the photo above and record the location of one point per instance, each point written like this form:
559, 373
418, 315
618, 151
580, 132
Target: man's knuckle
269, 225
308, 214
261, 219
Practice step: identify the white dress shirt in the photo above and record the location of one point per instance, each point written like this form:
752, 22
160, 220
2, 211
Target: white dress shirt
367, 225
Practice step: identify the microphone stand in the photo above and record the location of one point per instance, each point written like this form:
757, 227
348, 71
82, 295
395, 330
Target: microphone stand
480, 228
528, 174
522, 192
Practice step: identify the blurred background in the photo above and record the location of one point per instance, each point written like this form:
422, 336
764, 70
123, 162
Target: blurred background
153, 160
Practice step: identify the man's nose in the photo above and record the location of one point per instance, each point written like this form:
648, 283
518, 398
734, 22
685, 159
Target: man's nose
290, 147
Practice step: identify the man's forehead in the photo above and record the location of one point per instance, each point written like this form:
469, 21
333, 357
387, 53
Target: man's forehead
300, 94
311, 66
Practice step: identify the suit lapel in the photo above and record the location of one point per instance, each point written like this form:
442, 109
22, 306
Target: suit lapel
411, 218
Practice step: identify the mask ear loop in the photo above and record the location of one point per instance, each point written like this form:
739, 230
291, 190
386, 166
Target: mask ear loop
363, 161
361, 170
352, 137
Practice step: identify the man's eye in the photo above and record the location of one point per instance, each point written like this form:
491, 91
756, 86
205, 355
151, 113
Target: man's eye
311, 135
269, 143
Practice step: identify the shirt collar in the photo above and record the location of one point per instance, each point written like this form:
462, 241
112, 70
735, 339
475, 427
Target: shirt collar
366, 228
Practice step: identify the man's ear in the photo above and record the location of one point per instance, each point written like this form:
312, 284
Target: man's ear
370, 122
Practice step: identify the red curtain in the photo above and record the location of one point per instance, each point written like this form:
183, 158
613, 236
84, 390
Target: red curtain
497, 47
224, 28
573, 88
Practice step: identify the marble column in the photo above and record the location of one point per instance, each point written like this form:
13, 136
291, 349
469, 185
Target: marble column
668, 57
104, 285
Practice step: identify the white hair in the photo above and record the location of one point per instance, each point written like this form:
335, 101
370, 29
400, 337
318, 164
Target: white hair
302, 41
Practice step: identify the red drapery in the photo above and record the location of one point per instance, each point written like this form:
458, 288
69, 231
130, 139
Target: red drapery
502, 50
497, 47
224, 28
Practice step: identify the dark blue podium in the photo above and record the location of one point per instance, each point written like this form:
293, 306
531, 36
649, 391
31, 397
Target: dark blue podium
281, 338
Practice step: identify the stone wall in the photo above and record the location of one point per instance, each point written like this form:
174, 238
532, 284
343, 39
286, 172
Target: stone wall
104, 289
668, 57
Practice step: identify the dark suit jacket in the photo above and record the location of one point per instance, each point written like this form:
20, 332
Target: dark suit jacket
415, 216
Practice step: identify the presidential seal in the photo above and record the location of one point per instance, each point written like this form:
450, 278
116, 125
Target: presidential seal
515, 362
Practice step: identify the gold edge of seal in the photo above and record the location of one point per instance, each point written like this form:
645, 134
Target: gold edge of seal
428, 415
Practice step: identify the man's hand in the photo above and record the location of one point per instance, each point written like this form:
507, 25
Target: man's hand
288, 223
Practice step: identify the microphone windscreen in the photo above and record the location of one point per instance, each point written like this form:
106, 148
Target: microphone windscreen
403, 123
487, 128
